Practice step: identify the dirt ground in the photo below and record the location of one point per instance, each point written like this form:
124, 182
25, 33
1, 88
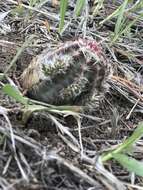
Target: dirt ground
39, 155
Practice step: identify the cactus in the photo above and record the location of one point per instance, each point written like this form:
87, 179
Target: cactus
75, 73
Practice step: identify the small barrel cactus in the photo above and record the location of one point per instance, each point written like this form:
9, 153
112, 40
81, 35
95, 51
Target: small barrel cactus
75, 73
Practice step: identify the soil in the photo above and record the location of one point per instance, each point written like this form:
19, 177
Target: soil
41, 156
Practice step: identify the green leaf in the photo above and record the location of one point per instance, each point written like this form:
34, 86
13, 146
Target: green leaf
79, 6
63, 7
15, 93
129, 163
137, 134
30, 109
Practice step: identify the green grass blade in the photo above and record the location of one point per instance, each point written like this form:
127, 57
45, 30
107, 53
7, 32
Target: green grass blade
32, 3
136, 6
79, 6
114, 14
129, 163
137, 134
19, 51
30, 109
98, 7
15, 93
127, 28
120, 17
63, 7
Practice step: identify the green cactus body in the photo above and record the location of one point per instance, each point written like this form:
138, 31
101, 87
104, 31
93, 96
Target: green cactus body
75, 73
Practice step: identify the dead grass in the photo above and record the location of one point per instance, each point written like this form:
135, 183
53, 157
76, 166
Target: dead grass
65, 153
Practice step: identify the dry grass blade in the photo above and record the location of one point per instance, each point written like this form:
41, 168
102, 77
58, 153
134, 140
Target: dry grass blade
22, 170
7, 165
112, 179
3, 15
63, 129
27, 141
3, 112
51, 16
35, 155
5, 184
18, 54
72, 168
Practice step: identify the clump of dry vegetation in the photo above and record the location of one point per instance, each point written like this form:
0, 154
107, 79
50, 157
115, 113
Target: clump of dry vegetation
44, 146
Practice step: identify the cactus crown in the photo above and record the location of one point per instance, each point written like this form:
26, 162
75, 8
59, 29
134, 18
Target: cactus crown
74, 73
